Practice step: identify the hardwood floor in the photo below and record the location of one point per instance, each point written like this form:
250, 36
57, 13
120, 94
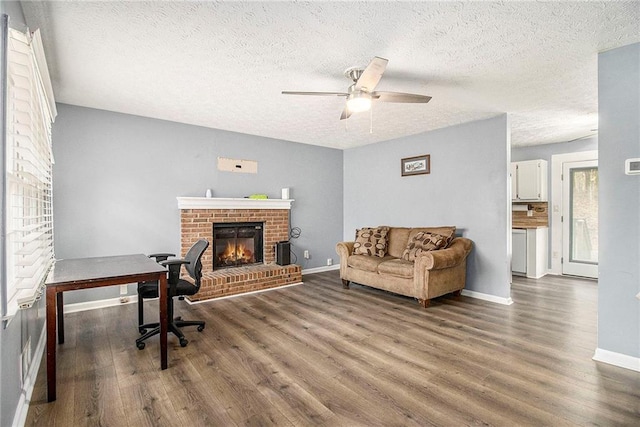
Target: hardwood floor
318, 354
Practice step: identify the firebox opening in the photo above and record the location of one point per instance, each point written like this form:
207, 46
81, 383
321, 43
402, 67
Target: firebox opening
237, 244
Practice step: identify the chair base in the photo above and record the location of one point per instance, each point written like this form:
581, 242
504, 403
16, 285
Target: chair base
174, 327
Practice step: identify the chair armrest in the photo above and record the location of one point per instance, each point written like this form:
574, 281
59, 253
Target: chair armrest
174, 269
161, 256
170, 262
445, 258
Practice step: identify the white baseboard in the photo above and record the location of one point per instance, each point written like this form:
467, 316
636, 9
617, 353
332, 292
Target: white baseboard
22, 408
617, 359
243, 294
487, 297
92, 305
321, 269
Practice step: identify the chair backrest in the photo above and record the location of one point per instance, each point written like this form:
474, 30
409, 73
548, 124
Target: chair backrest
194, 255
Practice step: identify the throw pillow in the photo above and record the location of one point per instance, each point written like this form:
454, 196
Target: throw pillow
423, 242
371, 241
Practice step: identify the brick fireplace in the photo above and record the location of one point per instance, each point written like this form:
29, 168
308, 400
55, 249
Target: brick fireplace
197, 216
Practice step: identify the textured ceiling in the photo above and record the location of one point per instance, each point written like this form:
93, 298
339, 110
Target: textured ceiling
224, 64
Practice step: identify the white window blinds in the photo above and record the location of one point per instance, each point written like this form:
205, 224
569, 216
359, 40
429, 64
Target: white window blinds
30, 111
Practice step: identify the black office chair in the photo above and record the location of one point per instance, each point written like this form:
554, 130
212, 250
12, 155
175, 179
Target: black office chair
177, 287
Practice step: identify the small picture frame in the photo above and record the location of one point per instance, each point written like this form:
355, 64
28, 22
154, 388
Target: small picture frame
418, 165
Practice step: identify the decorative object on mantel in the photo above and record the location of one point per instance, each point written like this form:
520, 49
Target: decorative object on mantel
285, 193
418, 165
208, 194
258, 196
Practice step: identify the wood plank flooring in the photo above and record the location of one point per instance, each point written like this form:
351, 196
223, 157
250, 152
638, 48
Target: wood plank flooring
320, 355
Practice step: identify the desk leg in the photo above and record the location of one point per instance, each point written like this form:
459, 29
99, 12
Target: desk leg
51, 343
164, 322
60, 309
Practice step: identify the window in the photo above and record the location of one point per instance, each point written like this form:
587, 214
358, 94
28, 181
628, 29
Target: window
29, 113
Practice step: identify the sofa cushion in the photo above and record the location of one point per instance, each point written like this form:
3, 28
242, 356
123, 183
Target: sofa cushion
396, 267
448, 231
371, 241
366, 262
397, 240
422, 242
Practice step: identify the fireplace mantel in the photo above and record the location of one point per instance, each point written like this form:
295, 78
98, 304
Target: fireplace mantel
232, 203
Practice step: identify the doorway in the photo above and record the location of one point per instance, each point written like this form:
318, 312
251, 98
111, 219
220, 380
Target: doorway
580, 218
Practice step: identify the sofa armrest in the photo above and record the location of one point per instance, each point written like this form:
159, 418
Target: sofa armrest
344, 249
445, 258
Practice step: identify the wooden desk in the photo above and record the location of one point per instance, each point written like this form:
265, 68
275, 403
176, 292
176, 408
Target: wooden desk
86, 273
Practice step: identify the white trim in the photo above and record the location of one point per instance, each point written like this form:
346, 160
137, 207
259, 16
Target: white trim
232, 203
555, 205
132, 299
244, 293
41, 63
22, 408
321, 269
102, 303
617, 359
487, 297
570, 267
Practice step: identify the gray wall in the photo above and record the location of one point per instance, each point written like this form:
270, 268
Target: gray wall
619, 195
27, 325
117, 176
467, 187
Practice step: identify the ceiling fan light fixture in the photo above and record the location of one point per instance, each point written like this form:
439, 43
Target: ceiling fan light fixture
358, 102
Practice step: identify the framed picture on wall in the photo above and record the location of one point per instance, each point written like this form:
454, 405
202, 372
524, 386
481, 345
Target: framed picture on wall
418, 165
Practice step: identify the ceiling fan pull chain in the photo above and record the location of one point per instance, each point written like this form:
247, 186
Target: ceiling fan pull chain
371, 119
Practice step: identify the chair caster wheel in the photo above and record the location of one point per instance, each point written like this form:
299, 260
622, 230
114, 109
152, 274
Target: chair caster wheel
183, 342
142, 331
140, 345
200, 328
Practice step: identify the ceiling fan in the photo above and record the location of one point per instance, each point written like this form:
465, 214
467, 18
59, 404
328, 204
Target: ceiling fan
362, 92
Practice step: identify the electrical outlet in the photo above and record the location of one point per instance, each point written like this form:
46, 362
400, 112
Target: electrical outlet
306, 254
123, 289
329, 261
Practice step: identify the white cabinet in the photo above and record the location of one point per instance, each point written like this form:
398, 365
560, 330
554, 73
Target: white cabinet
529, 251
529, 181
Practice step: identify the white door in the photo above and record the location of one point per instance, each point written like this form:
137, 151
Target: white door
580, 218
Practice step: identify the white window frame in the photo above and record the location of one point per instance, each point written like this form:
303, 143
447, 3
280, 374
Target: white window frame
28, 166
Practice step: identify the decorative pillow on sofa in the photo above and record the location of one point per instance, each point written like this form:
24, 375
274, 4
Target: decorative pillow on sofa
371, 241
423, 242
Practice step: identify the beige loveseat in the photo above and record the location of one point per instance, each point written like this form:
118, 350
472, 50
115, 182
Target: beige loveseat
401, 261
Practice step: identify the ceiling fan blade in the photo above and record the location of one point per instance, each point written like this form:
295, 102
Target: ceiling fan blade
289, 92
345, 113
371, 75
400, 97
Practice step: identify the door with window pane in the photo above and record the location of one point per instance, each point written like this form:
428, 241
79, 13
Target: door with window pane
580, 219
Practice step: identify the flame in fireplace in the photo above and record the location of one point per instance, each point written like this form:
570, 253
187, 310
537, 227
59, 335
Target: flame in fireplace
236, 253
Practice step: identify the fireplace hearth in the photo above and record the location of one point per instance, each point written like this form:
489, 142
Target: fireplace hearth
237, 244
